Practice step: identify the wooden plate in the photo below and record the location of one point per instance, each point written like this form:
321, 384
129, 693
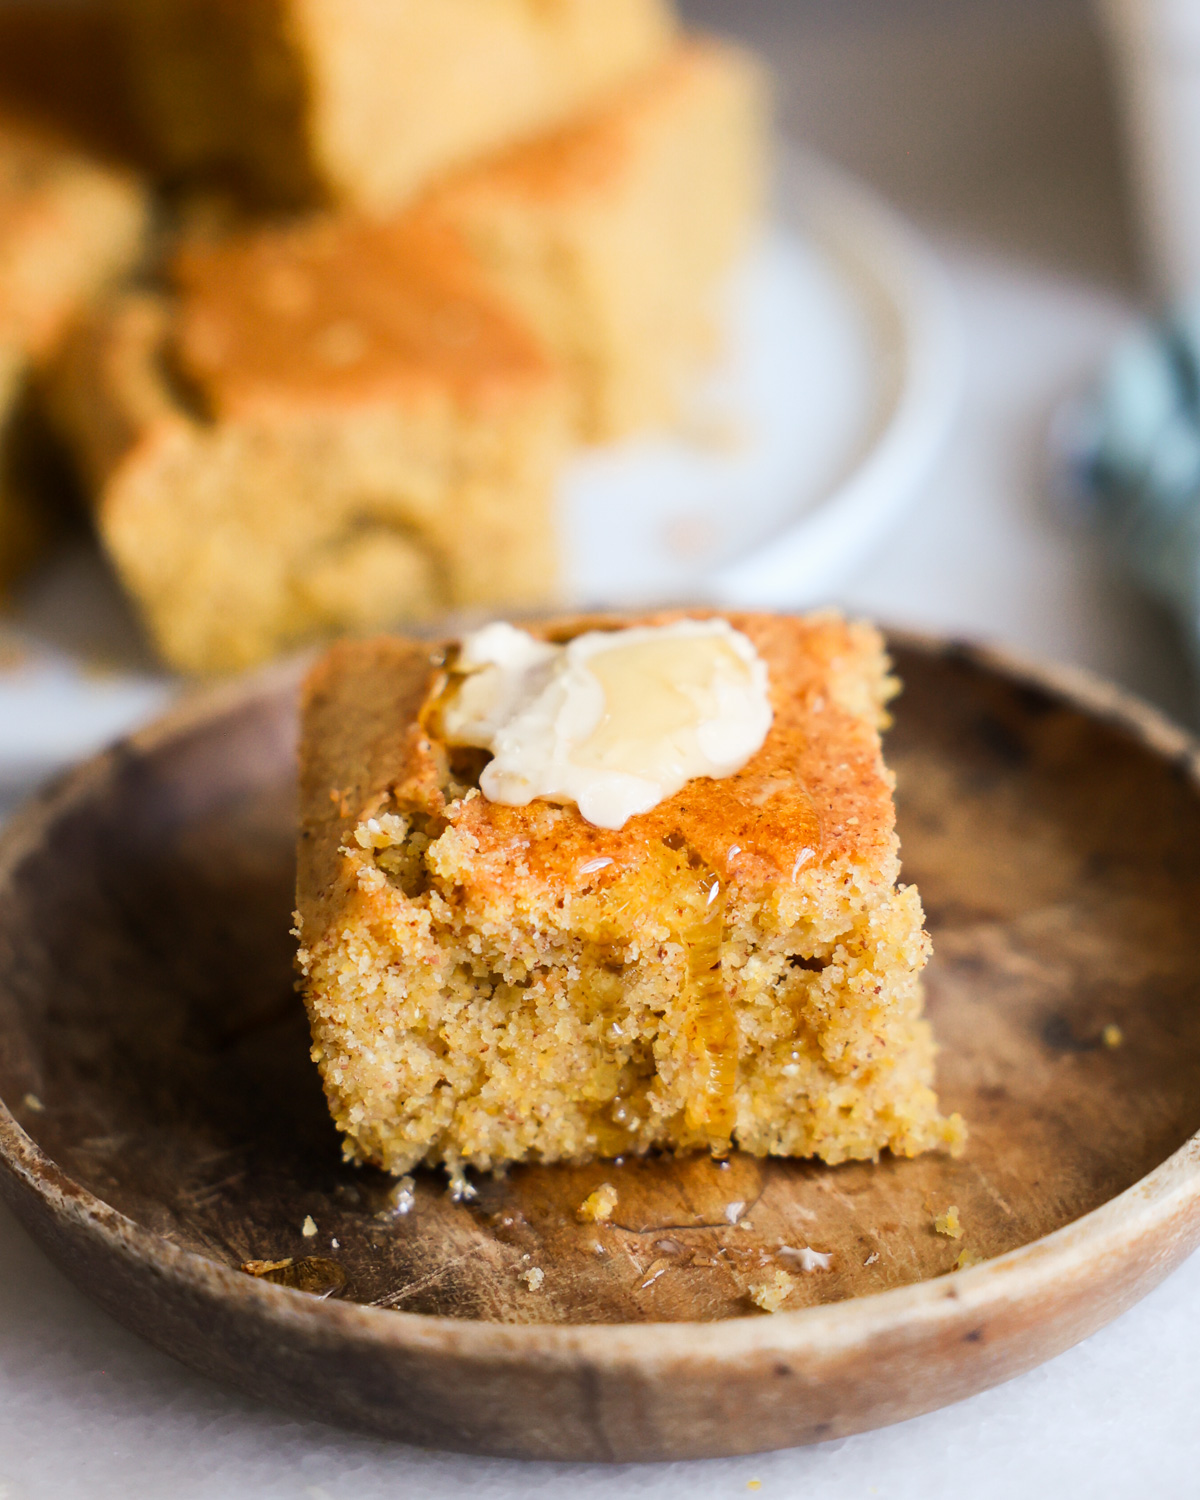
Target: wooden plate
163, 1123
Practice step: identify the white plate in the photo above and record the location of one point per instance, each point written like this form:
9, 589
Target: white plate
797, 456
844, 376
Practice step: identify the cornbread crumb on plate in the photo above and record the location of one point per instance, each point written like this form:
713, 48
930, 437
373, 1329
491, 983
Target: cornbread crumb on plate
735, 968
328, 426
598, 1206
359, 102
771, 1295
613, 235
947, 1223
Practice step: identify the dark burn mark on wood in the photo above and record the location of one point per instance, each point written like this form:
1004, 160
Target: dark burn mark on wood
1003, 742
1036, 702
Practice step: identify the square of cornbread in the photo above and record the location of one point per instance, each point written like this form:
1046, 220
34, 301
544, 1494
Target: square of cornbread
69, 225
360, 103
324, 426
614, 234
737, 967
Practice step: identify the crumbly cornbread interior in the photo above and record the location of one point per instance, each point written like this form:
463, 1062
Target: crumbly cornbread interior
736, 968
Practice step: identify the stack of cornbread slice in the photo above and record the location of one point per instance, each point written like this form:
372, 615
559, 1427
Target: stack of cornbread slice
458, 240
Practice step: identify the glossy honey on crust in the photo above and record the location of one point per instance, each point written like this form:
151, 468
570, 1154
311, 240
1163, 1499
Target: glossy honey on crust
735, 967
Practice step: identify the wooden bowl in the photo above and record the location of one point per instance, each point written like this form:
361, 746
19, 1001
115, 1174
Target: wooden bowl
163, 1124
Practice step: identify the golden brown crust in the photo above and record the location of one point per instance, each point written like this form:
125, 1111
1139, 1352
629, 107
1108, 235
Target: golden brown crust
359, 707
815, 798
346, 311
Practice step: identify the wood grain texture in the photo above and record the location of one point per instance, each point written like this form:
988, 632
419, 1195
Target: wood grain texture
164, 1124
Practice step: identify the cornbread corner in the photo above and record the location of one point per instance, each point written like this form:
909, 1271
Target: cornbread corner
614, 234
489, 984
361, 103
325, 426
69, 225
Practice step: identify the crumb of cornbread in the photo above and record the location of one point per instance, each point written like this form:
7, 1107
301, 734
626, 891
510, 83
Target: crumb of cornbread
613, 235
598, 1206
967, 1259
947, 1223
401, 1198
492, 984
327, 426
1112, 1036
265, 1267
69, 225
360, 102
772, 1293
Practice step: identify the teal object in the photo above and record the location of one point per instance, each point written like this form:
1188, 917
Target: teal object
1140, 462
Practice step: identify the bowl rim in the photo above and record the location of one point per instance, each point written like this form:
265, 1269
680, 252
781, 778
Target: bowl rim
1164, 1197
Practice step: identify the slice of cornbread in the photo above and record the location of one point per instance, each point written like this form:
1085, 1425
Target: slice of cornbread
329, 426
736, 967
68, 227
613, 235
362, 102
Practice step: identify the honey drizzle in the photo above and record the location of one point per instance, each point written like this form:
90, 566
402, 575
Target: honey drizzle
709, 1026
443, 687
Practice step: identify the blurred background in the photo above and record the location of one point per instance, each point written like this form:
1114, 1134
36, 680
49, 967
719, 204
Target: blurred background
992, 124
997, 129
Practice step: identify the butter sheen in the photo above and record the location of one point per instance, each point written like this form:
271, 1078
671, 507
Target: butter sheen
614, 721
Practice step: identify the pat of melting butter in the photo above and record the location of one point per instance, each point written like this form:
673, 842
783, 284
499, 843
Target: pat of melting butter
614, 721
